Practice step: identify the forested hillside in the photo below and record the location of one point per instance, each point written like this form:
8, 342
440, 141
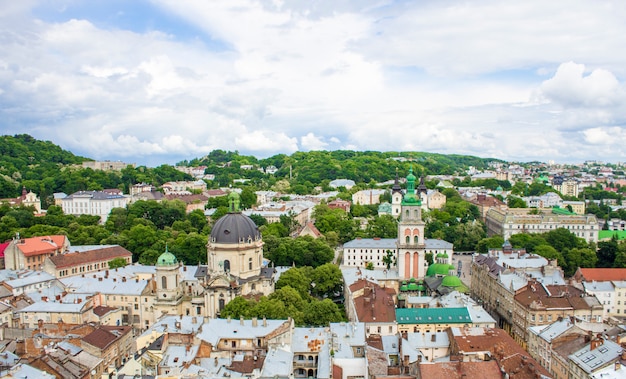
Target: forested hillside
45, 168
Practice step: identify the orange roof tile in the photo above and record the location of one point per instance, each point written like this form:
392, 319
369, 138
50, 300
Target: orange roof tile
41, 245
603, 274
452, 370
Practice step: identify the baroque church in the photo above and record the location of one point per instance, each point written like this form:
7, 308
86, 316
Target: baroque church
234, 268
410, 247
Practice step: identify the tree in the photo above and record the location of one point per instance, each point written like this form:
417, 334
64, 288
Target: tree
607, 252
236, 308
485, 244
117, 262
296, 279
562, 239
258, 219
321, 313
549, 252
515, 202
384, 226
327, 281
389, 259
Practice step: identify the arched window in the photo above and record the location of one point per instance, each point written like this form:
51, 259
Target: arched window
249, 263
408, 239
222, 303
226, 265
416, 239
164, 282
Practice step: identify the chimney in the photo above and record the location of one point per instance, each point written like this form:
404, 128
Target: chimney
617, 366
228, 320
241, 320
595, 343
264, 321
254, 322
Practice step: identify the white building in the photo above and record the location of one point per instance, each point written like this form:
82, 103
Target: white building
93, 203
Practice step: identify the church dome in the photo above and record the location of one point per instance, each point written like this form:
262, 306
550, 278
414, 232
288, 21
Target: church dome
234, 228
451, 281
167, 259
441, 269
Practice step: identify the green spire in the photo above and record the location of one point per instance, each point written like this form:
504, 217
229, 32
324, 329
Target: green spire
410, 181
410, 197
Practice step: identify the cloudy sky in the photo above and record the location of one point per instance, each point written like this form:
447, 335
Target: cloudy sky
159, 81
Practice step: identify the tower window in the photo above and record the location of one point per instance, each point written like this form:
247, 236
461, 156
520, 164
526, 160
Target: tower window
164, 282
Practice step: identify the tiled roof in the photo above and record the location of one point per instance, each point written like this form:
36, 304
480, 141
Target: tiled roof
555, 296
41, 245
510, 356
104, 336
96, 255
375, 304
603, 274
453, 370
102, 310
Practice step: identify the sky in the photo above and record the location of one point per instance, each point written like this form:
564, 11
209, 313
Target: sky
156, 82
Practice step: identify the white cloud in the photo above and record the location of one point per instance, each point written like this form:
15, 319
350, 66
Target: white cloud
312, 142
262, 142
529, 80
571, 88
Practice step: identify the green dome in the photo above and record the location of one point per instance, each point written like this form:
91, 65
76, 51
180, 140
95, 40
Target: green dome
420, 287
441, 269
412, 287
451, 281
412, 280
404, 288
167, 259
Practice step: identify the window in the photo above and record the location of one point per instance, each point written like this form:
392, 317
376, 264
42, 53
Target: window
249, 263
164, 282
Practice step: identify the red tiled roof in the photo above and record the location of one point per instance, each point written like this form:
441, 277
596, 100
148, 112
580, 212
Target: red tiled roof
603, 274
104, 336
375, 304
510, 356
97, 255
102, 310
41, 245
3, 247
215, 192
452, 370
560, 296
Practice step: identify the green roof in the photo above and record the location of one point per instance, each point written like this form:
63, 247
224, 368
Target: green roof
442, 269
561, 211
404, 288
432, 316
167, 259
413, 287
451, 281
608, 234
